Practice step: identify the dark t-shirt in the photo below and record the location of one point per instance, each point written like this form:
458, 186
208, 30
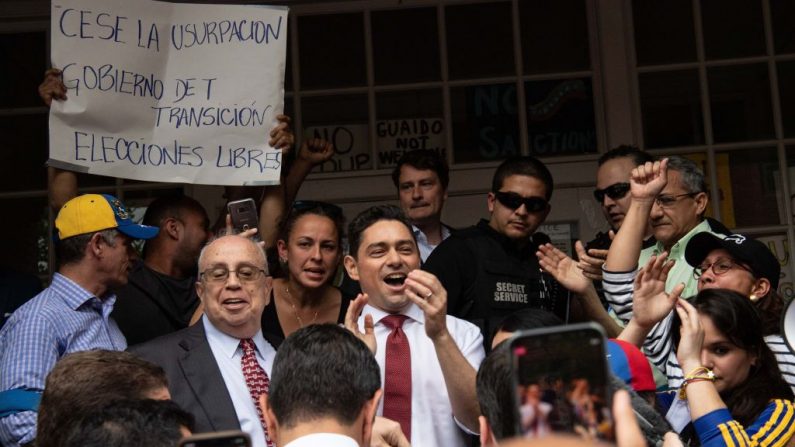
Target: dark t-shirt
489, 276
272, 329
153, 304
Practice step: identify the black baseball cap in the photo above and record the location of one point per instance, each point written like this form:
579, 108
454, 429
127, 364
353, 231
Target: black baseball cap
744, 249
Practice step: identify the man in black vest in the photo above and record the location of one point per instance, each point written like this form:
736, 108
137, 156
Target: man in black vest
490, 270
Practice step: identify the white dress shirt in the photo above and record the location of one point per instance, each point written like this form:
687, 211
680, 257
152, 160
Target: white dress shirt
228, 355
323, 440
422, 241
432, 421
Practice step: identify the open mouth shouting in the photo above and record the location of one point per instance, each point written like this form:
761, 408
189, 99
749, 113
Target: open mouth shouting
395, 281
316, 274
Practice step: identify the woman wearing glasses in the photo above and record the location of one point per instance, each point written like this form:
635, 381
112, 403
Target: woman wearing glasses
736, 263
310, 249
746, 266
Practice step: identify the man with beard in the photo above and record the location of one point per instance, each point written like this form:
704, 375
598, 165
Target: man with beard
160, 296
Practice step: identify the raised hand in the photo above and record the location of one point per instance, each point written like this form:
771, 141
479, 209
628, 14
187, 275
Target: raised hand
425, 290
692, 337
650, 302
52, 87
387, 433
562, 268
648, 180
315, 151
352, 322
591, 261
281, 136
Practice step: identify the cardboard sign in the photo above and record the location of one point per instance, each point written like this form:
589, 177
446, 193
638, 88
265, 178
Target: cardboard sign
396, 137
168, 92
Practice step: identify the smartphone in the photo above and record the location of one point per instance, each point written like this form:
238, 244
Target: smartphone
561, 379
230, 438
244, 214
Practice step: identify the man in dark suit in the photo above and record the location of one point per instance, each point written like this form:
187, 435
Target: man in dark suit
218, 368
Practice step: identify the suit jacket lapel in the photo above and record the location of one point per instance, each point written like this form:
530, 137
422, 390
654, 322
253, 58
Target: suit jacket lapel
203, 376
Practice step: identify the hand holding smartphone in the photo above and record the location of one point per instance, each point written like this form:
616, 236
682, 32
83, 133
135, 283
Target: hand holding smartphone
244, 214
561, 380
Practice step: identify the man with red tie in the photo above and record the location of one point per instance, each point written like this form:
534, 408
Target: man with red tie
428, 359
218, 368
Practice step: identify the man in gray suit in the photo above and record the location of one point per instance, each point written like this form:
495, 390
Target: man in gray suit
218, 368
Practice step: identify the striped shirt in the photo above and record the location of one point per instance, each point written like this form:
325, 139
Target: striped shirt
658, 345
773, 428
63, 318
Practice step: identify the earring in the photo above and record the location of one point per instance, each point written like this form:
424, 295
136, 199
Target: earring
753, 297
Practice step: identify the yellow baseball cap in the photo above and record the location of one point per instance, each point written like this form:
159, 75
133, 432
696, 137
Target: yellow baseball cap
95, 212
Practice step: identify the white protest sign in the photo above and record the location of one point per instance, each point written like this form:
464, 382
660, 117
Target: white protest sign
168, 92
396, 137
351, 149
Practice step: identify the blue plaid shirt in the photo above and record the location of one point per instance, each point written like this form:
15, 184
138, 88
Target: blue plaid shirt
63, 318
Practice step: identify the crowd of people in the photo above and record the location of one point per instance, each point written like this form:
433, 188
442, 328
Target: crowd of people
392, 331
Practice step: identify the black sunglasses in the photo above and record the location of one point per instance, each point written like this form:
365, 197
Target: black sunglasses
514, 201
615, 191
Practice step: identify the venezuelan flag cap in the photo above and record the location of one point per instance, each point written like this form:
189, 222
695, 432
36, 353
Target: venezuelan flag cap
630, 365
96, 212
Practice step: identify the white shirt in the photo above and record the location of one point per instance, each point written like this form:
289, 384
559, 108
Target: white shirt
422, 241
432, 422
228, 355
324, 440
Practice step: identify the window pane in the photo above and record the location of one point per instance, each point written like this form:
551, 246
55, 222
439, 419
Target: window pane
406, 121
400, 56
783, 12
786, 89
289, 110
554, 36
700, 159
790, 152
25, 246
740, 100
732, 28
479, 40
749, 181
485, 125
24, 152
664, 31
22, 64
343, 120
288, 63
560, 117
671, 109
331, 49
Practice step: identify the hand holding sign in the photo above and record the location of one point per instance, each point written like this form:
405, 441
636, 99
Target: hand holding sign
163, 92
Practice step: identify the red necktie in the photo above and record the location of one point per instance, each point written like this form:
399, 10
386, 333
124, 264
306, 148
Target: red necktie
256, 380
397, 376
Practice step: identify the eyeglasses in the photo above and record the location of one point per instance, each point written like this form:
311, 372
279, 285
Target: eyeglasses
245, 273
719, 267
670, 201
615, 191
514, 201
